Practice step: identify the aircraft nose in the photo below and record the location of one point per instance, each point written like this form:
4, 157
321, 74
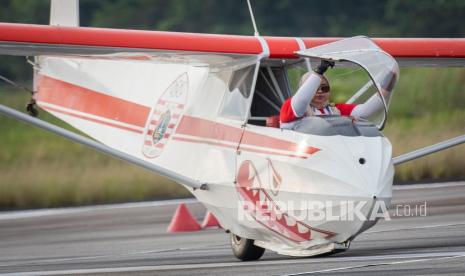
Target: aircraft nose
363, 163
374, 163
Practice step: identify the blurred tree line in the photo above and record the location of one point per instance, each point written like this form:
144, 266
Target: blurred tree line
382, 18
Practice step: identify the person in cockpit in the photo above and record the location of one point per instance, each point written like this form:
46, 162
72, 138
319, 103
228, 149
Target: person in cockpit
312, 98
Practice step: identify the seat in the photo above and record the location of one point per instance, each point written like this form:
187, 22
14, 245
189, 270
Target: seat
273, 121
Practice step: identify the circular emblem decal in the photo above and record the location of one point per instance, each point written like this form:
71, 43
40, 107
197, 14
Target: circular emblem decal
164, 117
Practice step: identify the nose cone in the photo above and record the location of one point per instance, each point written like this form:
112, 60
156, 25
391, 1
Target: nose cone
363, 164
354, 170
373, 159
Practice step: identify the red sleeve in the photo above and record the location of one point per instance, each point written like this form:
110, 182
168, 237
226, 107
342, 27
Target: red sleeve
287, 114
346, 109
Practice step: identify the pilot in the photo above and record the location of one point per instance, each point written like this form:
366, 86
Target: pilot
312, 98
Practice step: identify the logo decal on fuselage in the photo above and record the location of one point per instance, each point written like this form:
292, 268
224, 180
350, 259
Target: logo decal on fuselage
160, 129
165, 116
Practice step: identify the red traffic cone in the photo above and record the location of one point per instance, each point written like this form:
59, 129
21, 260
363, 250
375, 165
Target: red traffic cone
183, 221
210, 221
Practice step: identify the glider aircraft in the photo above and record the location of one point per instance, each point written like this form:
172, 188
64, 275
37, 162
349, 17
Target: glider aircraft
201, 109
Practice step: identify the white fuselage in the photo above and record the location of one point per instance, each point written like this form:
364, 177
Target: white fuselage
174, 116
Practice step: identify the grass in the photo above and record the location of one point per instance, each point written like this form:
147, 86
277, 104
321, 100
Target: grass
407, 134
428, 106
39, 169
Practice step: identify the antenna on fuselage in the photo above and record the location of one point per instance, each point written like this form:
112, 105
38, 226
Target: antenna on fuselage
253, 19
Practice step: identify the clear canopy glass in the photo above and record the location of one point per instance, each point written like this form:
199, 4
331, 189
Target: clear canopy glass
362, 51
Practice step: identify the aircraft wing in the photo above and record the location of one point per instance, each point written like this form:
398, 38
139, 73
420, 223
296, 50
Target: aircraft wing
27, 39
128, 90
114, 84
31, 40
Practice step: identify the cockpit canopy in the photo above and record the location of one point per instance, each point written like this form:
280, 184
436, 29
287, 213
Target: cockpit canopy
361, 51
249, 88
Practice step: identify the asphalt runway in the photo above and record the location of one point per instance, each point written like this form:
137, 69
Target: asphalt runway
131, 239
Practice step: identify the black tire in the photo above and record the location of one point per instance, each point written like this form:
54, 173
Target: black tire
244, 249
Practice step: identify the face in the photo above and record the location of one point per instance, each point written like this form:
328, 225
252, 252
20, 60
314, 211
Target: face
321, 97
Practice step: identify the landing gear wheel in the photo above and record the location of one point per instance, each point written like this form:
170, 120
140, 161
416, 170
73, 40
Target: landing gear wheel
244, 249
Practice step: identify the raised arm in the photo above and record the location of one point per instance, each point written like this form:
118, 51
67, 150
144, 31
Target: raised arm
375, 103
295, 107
303, 96
368, 108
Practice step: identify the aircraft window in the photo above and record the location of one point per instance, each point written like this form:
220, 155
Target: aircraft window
349, 84
236, 101
275, 84
241, 81
271, 90
362, 53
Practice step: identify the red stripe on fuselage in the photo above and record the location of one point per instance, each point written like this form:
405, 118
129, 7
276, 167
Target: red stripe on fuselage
183, 139
255, 139
68, 95
189, 140
92, 119
201, 128
249, 149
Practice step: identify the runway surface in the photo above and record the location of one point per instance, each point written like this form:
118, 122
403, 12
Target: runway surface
132, 239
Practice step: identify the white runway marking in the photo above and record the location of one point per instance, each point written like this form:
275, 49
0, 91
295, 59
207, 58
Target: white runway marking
428, 186
413, 228
372, 265
429, 256
82, 258
71, 210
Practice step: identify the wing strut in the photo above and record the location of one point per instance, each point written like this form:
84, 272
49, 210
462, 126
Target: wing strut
428, 150
102, 148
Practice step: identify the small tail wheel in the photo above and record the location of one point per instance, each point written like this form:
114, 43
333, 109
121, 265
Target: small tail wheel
244, 249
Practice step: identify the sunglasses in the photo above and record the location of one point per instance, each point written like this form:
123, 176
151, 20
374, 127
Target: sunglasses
324, 88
